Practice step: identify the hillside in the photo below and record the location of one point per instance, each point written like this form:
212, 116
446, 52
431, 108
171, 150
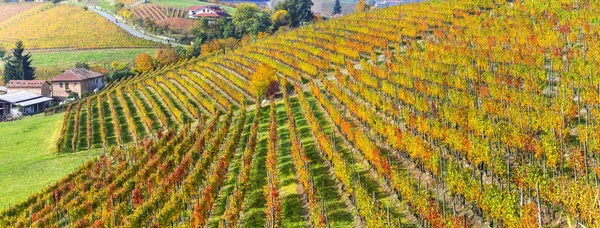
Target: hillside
441, 114
65, 26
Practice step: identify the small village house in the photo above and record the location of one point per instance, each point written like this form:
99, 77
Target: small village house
22, 103
211, 11
39, 87
78, 80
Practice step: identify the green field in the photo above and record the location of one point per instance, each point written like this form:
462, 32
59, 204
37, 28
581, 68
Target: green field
28, 161
69, 58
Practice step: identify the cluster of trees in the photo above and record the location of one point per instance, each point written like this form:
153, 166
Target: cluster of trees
251, 20
18, 65
145, 62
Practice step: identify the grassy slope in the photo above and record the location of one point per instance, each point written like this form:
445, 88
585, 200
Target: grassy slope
27, 159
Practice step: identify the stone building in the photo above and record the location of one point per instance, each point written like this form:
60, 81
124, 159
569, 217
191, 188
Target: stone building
78, 80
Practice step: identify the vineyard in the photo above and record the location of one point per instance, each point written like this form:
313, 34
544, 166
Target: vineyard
10, 10
65, 26
438, 114
165, 16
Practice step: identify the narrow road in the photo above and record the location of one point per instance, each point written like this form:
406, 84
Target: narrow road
131, 30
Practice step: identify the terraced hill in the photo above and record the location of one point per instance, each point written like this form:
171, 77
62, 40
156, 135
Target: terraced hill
441, 114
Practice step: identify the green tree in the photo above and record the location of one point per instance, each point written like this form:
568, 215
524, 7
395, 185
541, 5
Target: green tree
82, 65
249, 19
18, 66
2, 53
298, 11
119, 6
337, 8
208, 29
188, 52
118, 71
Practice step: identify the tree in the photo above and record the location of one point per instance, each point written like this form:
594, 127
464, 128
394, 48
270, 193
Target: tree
218, 45
261, 79
73, 95
118, 71
206, 29
144, 62
279, 18
117, 65
190, 51
119, 6
337, 8
361, 6
272, 89
82, 65
149, 24
298, 11
2, 53
18, 66
249, 19
126, 14
166, 56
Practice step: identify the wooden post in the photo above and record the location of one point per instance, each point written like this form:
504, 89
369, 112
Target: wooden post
537, 189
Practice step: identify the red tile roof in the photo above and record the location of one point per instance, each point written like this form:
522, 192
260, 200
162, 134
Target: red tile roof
25, 84
214, 11
207, 15
196, 8
77, 74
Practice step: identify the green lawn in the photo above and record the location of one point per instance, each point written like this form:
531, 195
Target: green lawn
188, 3
100, 56
28, 161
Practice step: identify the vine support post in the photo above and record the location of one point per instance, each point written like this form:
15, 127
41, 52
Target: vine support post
539, 207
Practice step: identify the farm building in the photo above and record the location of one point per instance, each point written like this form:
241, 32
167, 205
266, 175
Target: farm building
78, 80
22, 103
39, 87
212, 11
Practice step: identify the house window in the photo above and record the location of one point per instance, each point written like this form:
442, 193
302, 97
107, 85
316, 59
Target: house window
67, 86
60, 85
